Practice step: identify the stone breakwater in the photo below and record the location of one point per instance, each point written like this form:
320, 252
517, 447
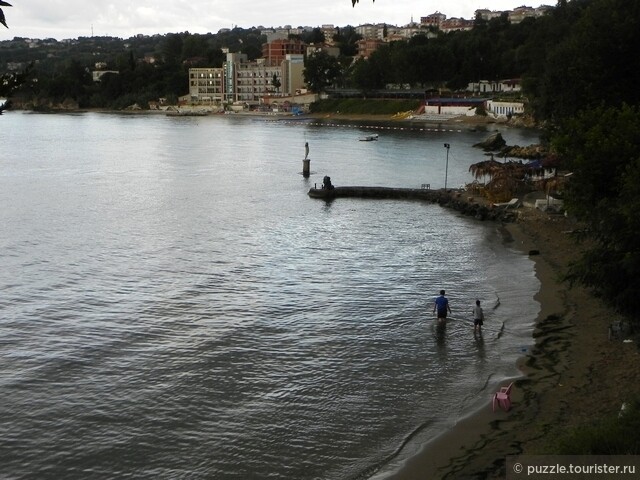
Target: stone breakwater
453, 199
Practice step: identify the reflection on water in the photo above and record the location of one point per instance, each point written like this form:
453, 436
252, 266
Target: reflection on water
173, 304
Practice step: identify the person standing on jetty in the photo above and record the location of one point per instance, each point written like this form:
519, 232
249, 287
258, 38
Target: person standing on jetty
478, 317
441, 304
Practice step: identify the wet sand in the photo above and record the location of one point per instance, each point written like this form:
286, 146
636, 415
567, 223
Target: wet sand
573, 375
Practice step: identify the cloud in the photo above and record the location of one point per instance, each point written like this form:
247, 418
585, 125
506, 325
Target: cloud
124, 18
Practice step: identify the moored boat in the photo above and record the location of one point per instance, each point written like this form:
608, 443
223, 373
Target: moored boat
369, 138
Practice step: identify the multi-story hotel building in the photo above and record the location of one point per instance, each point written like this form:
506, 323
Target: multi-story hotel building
206, 85
244, 81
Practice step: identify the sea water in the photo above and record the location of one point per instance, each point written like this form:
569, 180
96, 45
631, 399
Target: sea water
173, 305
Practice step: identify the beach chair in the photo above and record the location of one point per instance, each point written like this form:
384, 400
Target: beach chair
502, 398
513, 203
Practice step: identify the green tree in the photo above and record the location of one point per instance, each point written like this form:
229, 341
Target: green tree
363, 76
347, 40
275, 81
172, 47
194, 46
320, 71
378, 70
10, 82
70, 80
601, 147
580, 69
315, 36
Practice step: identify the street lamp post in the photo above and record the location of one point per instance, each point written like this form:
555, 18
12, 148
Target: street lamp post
446, 170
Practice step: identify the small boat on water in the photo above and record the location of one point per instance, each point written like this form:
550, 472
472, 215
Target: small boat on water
369, 138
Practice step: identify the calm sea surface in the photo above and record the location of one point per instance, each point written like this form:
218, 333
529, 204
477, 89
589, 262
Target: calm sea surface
173, 305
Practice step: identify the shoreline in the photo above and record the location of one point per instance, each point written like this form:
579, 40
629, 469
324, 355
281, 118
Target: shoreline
572, 359
472, 121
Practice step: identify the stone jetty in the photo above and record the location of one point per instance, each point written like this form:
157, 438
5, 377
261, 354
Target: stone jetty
454, 199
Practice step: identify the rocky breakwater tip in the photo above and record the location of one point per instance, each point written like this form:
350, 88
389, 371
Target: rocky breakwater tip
457, 200
467, 205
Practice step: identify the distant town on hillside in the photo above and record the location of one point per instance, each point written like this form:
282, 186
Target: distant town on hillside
259, 66
435, 20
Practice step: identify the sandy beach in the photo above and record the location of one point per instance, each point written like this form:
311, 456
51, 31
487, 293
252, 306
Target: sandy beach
573, 375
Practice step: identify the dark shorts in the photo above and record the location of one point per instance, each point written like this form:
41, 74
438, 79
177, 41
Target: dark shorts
478, 321
442, 314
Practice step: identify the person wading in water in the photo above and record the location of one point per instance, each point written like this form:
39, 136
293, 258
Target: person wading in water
441, 304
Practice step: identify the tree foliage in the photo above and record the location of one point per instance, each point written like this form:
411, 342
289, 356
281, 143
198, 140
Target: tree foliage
589, 57
601, 147
321, 70
493, 50
586, 89
346, 39
138, 80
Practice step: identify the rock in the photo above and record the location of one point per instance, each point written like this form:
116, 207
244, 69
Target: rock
493, 143
529, 152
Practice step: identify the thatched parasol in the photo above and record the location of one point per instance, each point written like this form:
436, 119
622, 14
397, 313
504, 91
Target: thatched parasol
486, 168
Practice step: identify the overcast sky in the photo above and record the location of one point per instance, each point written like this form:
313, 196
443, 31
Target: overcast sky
62, 19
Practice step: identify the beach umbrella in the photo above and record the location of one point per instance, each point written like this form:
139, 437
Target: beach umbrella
486, 168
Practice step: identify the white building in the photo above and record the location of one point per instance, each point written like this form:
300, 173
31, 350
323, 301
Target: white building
498, 86
504, 109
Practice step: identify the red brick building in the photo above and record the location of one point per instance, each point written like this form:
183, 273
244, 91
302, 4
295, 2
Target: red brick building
276, 52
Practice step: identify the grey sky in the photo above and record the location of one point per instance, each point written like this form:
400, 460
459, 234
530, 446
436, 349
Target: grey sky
124, 18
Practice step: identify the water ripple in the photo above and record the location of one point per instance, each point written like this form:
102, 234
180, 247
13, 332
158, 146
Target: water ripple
167, 316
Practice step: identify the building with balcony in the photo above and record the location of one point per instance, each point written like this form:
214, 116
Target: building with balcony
370, 31
247, 82
367, 46
516, 15
433, 20
329, 31
456, 24
206, 85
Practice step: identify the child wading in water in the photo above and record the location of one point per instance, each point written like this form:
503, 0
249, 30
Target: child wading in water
478, 317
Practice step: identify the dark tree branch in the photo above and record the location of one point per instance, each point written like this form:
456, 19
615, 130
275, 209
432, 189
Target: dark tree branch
3, 21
